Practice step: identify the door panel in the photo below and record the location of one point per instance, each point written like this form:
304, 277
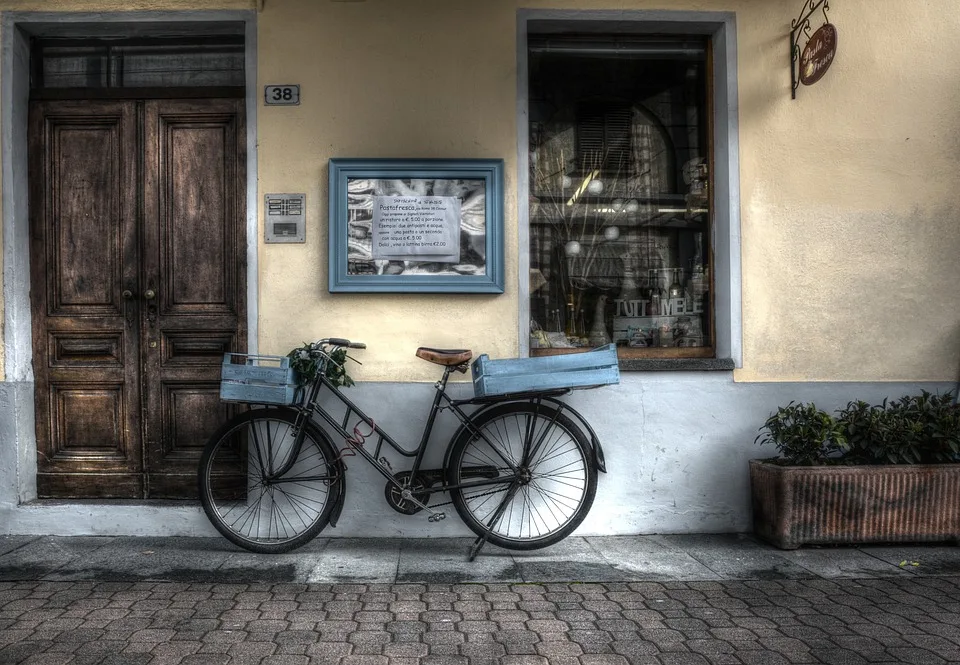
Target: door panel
85, 249
193, 216
83, 256
138, 283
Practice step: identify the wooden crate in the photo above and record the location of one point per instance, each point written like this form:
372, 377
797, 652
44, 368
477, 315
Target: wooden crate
517, 375
257, 379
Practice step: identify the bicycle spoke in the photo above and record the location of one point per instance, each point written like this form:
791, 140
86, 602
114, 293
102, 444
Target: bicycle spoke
256, 447
553, 485
253, 509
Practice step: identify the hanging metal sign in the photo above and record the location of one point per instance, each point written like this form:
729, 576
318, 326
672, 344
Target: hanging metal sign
810, 63
818, 54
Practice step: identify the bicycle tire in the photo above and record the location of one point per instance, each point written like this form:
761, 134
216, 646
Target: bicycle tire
561, 477
253, 512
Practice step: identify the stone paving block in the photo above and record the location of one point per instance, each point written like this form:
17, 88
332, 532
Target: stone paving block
683, 659
142, 659
330, 650
49, 659
602, 659
406, 650
512, 625
554, 650
206, 659
524, 660
762, 658
838, 657
285, 659
444, 660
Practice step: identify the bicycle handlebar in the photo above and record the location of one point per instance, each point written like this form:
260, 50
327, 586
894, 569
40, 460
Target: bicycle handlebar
339, 341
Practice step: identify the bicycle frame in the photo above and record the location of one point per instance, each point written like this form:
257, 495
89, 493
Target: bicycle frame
441, 401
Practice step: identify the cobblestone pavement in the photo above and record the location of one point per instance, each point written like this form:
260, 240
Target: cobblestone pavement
907, 619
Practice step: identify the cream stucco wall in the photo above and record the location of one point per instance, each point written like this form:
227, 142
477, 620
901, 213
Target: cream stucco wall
849, 196
383, 79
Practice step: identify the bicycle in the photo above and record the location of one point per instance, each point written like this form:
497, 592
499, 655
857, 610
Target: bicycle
520, 469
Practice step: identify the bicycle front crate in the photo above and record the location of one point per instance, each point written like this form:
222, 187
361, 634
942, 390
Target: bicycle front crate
517, 375
257, 379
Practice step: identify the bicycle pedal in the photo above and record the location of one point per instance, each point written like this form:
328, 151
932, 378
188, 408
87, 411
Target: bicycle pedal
436, 517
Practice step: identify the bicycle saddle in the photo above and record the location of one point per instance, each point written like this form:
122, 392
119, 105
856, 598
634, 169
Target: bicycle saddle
445, 356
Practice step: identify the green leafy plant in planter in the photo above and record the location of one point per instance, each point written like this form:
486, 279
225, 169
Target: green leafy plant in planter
866, 474
803, 434
915, 429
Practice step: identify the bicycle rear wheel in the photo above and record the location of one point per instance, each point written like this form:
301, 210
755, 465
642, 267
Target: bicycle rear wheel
545, 463
242, 497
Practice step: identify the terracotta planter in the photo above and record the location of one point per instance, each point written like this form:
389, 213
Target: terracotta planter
846, 505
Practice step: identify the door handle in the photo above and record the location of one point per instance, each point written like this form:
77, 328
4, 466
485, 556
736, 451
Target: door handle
127, 309
151, 297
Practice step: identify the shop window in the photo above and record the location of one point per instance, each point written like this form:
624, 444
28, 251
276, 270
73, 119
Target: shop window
620, 205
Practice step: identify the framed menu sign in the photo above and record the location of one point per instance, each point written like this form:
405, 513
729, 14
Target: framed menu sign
416, 225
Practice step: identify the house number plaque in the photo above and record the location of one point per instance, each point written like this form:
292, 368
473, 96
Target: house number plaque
281, 95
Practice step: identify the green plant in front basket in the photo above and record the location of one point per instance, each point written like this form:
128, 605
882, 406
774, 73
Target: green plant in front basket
803, 434
337, 370
306, 361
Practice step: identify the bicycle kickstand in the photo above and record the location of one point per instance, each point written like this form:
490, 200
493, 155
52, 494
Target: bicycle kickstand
482, 540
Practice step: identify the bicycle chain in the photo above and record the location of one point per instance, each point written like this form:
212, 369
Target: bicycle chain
447, 503
436, 505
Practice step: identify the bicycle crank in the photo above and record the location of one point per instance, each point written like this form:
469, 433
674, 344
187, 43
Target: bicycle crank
435, 515
405, 496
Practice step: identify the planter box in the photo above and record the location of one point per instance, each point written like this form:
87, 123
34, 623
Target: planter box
837, 505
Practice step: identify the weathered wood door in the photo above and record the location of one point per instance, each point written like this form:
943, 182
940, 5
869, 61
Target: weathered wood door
137, 214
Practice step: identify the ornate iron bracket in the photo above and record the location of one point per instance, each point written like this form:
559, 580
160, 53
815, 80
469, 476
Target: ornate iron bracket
799, 28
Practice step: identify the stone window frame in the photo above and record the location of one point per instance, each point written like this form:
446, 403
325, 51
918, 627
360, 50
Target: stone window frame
725, 239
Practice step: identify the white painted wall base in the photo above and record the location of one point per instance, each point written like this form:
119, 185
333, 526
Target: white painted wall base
676, 444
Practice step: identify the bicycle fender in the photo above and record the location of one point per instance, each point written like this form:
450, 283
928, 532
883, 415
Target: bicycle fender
341, 469
599, 461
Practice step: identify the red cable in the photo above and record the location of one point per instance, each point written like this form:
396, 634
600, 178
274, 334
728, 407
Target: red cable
356, 440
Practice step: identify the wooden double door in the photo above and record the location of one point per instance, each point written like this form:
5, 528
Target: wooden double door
138, 285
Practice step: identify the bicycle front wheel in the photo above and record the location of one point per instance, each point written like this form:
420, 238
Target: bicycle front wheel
542, 464
245, 498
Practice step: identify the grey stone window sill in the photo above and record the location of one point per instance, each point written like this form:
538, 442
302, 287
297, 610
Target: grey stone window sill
682, 364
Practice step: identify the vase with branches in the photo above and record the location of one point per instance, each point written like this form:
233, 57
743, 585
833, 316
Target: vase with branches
583, 209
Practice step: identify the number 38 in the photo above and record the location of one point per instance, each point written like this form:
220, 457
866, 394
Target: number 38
283, 94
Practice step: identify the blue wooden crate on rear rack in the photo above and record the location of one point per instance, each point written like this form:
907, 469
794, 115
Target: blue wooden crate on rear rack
517, 375
257, 379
